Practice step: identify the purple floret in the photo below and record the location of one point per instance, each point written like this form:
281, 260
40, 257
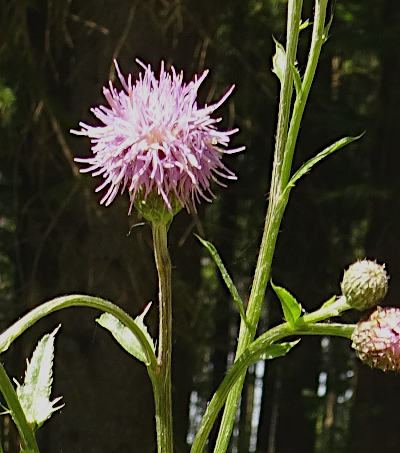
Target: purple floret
155, 137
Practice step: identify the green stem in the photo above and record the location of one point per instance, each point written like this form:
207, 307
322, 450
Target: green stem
327, 310
14, 331
17, 413
161, 379
251, 355
317, 40
274, 216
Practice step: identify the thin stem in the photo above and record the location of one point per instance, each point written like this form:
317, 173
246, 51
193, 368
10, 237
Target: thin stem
162, 378
17, 413
251, 355
328, 311
19, 327
274, 216
317, 40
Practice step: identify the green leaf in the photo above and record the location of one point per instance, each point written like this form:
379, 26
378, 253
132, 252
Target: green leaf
279, 60
278, 350
306, 167
304, 24
291, 308
329, 302
296, 78
327, 28
225, 275
125, 337
34, 393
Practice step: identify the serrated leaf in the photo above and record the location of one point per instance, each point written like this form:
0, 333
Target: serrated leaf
306, 167
278, 350
34, 393
125, 337
225, 275
296, 79
279, 60
291, 308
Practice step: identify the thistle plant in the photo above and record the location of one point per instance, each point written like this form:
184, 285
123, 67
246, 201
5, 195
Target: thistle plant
165, 151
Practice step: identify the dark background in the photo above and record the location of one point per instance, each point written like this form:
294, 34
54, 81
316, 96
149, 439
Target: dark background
55, 55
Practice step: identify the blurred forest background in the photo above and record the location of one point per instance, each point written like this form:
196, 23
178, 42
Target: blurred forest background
55, 239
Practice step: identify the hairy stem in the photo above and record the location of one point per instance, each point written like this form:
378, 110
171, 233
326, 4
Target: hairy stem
317, 40
274, 216
162, 378
251, 355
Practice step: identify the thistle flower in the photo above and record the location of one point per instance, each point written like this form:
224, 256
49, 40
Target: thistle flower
155, 139
377, 339
365, 284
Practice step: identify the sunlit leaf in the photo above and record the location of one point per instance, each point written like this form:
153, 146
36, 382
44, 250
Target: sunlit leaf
279, 60
291, 308
306, 167
329, 302
34, 393
125, 337
304, 24
327, 28
225, 275
278, 350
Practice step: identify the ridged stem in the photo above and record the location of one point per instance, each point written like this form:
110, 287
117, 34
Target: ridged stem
162, 378
249, 356
285, 144
274, 216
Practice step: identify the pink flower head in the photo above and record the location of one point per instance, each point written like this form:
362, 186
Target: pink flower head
154, 137
377, 339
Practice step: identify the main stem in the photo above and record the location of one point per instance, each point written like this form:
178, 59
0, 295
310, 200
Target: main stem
274, 216
161, 379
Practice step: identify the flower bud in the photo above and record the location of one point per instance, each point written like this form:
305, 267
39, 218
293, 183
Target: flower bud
377, 339
365, 284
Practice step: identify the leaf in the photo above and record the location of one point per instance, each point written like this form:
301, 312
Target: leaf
306, 167
34, 393
125, 337
278, 350
291, 308
326, 29
329, 302
279, 60
225, 275
296, 78
304, 25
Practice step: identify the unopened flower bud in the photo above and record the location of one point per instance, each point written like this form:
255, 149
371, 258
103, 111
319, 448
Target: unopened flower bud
377, 339
365, 284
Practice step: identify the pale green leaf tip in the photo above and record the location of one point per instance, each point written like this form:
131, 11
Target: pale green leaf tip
278, 59
145, 310
304, 25
34, 393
